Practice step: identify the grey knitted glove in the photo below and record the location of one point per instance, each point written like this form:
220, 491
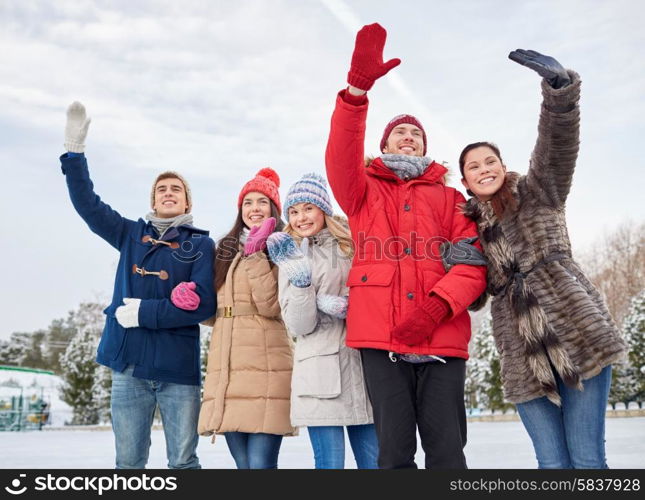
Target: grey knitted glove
333, 305
292, 260
462, 252
76, 128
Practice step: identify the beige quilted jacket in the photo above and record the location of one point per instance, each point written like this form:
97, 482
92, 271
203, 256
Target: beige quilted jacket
248, 377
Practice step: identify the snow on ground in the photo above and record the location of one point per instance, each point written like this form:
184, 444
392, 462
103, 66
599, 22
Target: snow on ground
491, 445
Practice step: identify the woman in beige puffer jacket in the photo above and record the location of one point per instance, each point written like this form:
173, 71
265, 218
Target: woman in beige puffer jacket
248, 376
328, 391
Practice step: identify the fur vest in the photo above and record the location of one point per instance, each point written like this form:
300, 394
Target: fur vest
546, 314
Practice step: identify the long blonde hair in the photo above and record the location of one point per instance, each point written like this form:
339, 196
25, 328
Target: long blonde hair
339, 229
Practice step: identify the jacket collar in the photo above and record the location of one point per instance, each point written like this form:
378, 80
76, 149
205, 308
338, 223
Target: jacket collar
321, 237
173, 232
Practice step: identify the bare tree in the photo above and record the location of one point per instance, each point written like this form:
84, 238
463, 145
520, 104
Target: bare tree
616, 266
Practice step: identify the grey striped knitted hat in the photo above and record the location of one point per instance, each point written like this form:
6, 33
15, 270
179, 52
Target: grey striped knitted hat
312, 188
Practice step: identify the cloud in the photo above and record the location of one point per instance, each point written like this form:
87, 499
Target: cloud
218, 90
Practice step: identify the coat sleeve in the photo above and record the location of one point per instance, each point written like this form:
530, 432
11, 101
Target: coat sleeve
554, 157
264, 284
464, 283
162, 313
299, 310
344, 158
99, 216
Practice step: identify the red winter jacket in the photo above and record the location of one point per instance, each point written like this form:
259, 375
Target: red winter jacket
397, 228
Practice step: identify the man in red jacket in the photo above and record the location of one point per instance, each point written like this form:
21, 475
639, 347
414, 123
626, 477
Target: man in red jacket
406, 314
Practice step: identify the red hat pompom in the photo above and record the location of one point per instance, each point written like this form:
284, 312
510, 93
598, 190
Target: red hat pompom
270, 174
266, 181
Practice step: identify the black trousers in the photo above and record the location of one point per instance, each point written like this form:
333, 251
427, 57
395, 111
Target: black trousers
405, 396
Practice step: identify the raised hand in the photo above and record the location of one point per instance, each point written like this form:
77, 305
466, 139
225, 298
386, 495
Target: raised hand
367, 60
76, 128
545, 66
292, 260
257, 238
184, 296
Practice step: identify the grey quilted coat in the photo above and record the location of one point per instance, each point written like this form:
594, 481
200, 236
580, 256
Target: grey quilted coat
327, 385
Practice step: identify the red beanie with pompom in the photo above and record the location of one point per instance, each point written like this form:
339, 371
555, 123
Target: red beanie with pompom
267, 182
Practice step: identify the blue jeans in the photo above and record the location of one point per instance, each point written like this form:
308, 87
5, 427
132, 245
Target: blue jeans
133, 404
254, 451
572, 436
328, 443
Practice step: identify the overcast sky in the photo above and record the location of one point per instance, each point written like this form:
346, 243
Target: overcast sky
218, 90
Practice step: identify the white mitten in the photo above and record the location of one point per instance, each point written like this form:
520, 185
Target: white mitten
76, 128
334, 305
128, 314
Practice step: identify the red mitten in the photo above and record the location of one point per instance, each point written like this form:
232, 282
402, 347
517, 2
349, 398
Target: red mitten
419, 325
184, 297
367, 60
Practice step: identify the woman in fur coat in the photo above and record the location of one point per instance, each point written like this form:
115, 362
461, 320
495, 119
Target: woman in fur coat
554, 334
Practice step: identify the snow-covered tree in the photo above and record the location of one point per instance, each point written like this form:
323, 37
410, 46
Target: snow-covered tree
16, 350
102, 390
483, 372
79, 369
58, 336
634, 331
204, 344
476, 368
624, 384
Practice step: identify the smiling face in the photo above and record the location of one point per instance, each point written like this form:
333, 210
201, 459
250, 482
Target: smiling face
484, 172
170, 198
256, 208
306, 219
405, 139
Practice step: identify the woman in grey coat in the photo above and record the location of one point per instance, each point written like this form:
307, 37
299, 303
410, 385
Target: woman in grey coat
328, 391
552, 329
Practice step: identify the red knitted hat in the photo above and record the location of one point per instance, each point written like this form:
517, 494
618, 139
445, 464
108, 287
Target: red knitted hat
398, 120
267, 182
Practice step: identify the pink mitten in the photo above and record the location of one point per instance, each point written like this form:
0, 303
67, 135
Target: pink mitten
257, 238
184, 297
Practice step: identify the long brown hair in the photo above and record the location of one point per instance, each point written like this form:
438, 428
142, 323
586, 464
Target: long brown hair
229, 245
503, 199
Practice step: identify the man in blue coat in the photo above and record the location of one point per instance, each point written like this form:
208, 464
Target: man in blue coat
151, 345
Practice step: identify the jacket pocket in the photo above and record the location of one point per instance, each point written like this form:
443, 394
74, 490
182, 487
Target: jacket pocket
175, 353
112, 337
369, 314
368, 275
317, 376
321, 342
